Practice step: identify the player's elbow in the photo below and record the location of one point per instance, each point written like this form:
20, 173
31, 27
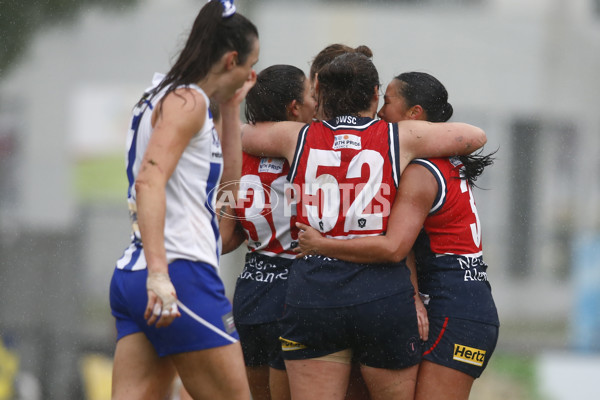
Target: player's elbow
479, 139
397, 256
391, 253
482, 140
398, 251
473, 138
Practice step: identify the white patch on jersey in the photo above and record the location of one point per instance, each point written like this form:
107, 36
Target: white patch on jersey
455, 161
271, 165
347, 141
216, 154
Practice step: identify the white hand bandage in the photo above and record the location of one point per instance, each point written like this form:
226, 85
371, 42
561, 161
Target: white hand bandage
161, 285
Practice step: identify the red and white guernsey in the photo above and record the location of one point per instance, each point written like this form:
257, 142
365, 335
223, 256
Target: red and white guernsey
347, 172
448, 251
453, 223
264, 208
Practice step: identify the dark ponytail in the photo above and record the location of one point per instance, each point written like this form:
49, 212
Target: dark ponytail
475, 164
211, 36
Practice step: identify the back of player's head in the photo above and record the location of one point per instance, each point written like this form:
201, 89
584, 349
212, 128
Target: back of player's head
420, 88
347, 85
275, 88
332, 51
214, 33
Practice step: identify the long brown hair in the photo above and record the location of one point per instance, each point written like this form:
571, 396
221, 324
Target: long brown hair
212, 35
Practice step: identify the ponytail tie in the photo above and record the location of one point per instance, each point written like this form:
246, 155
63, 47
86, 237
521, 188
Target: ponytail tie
229, 8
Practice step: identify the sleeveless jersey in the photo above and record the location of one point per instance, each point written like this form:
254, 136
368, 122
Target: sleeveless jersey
448, 251
264, 207
268, 219
346, 172
191, 228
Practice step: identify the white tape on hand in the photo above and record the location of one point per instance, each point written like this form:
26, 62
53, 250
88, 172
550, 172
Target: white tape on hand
161, 285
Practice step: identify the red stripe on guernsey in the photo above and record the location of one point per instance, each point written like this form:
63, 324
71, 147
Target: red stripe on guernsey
453, 223
345, 177
264, 209
438, 338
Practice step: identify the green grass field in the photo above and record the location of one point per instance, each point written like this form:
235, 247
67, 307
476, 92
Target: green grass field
101, 179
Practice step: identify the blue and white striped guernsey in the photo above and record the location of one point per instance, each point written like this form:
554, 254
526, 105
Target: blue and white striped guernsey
191, 228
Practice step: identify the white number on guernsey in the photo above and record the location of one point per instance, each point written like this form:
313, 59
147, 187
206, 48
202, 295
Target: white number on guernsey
375, 162
327, 183
475, 228
330, 188
254, 213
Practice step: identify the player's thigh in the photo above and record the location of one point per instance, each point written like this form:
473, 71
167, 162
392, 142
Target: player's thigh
138, 372
258, 378
317, 379
279, 384
397, 384
216, 373
357, 388
436, 382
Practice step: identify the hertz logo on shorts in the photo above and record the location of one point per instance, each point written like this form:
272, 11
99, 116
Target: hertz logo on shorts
469, 355
290, 345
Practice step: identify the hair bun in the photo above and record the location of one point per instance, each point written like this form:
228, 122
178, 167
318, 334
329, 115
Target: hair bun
364, 50
447, 110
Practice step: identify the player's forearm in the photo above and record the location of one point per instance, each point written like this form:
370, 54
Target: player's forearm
151, 209
256, 140
231, 144
374, 249
232, 234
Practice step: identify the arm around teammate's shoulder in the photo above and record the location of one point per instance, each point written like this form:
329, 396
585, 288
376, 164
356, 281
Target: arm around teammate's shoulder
428, 139
415, 196
271, 139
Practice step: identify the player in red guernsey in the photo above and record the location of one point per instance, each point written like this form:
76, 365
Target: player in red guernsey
436, 208
337, 310
266, 220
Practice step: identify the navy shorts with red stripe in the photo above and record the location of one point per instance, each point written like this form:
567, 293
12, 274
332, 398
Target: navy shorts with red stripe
460, 344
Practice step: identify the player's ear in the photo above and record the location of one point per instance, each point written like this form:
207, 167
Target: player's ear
230, 60
416, 112
293, 110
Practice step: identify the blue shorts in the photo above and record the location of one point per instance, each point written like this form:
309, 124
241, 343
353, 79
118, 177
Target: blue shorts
261, 345
382, 333
460, 344
198, 287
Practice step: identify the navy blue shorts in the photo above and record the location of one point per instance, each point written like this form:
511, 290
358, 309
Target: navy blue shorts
381, 333
460, 344
261, 345
198, 287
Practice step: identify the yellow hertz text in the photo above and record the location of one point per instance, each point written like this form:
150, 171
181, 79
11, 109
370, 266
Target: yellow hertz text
469, 355
290, 345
